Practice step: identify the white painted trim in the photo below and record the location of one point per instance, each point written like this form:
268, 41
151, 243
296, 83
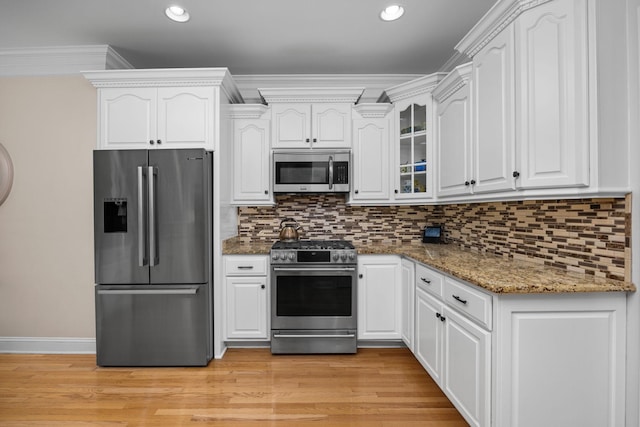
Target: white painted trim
59, 60
47, 345
457, 78
419, 86
348, 95
374, 84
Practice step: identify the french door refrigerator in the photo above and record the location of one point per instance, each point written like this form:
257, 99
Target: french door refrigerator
153, 265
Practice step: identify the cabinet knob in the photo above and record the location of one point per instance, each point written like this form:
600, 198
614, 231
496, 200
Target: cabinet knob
306, 140
356, 191
466, 183
473, 182
315, 139
151, 141
442, 318
395, 191
360, 276
159, 141
516, 174
262, 286
266, 191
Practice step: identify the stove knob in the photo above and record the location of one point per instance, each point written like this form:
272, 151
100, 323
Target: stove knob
275, 256
352, 256
343, 256
292, 256
336, 256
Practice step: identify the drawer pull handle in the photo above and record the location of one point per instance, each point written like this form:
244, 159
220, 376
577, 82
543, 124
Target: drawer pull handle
425, 280
245, 267
457, 298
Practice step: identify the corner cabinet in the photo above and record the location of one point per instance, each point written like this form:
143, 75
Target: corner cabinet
413, 168
379, 297
251, 155
160, 108
311, 118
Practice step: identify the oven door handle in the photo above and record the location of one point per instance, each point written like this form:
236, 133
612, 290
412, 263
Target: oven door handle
305, 269
313, 336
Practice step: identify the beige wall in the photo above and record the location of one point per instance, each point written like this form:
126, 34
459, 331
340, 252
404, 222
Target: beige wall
48, 125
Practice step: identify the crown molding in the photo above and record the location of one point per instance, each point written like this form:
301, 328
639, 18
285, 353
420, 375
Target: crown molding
415, 87
503, 13
348, 95
59, 60
247, 111
457, 78
374, 84
373, 110
167, 77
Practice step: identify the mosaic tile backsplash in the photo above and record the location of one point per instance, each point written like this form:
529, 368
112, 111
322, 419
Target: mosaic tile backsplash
589, 236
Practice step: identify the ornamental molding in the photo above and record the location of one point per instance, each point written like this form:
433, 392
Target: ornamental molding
492, 23
459, 77
247, 111
419, 86
59, 60
373, 110
349, 95
169, 77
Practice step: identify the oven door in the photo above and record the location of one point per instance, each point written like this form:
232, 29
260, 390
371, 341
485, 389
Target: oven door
313, 298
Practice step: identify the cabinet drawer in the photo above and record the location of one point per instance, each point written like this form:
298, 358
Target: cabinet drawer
241, 265
429, 280
465, 299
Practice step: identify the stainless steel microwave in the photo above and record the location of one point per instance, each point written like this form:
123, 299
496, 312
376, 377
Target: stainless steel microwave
311, 171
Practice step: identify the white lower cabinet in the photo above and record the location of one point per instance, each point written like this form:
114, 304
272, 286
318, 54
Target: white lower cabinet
523, 360
246, 297
408, 291
379, 298
454, 349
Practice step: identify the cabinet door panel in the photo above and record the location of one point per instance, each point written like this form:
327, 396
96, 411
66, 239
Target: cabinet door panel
408, 302
331, 125
553, 86
291, 125
128, 118
251, 160
379, 297
428, 334
371, 159
185, 117
454, 143
467, 368
246, 310
494, 118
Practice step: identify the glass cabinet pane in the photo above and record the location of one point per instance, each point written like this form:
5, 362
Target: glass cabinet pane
413, 149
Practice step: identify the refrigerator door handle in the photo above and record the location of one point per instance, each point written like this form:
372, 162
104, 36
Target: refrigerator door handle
142, 261
153, 253
186, 291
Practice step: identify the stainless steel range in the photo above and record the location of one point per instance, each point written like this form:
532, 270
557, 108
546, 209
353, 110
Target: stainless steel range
313, 297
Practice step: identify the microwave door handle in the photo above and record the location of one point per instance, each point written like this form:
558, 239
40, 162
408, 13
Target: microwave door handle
331, 172
141, 222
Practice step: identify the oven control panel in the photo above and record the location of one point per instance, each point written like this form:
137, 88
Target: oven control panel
284, 256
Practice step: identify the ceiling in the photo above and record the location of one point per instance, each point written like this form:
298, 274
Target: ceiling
251, 36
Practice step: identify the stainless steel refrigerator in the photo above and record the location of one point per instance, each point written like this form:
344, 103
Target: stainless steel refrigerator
153, 263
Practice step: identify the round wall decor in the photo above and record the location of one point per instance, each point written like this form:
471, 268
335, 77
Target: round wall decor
6, 174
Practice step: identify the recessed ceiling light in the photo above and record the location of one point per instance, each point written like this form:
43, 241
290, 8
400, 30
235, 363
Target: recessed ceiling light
177, 13
392, 12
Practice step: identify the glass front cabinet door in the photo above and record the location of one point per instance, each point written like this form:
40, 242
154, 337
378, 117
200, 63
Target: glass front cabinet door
414, 167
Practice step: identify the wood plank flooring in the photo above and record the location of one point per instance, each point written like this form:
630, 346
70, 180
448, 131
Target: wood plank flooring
248, 387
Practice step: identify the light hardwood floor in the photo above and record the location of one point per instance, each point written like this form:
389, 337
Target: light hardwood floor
248, 387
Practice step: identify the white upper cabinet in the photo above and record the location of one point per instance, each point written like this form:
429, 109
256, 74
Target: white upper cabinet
453, 133
494, 115
552, 93
371, 152
251, 155
413, 167
311, 117
174, 108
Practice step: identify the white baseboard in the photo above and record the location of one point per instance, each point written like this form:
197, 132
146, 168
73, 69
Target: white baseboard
47, 345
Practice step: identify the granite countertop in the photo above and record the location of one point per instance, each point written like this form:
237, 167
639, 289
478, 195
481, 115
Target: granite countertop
493, 273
